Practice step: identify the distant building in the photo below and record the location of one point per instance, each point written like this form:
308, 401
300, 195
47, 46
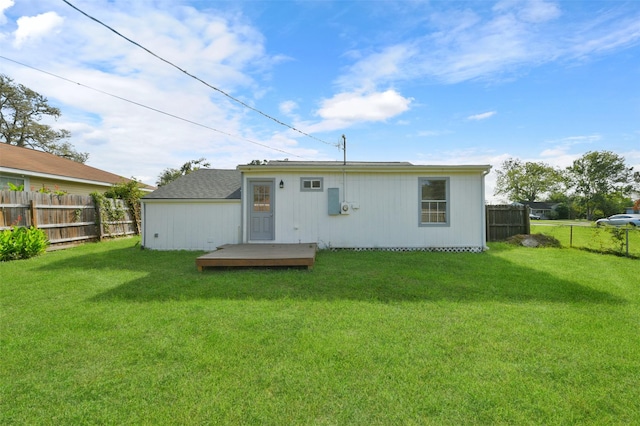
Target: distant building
540, 208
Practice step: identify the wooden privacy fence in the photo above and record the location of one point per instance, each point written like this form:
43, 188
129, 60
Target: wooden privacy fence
66, 219
504, 221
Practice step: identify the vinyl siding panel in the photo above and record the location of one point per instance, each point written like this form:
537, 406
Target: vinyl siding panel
189, 225
385, 211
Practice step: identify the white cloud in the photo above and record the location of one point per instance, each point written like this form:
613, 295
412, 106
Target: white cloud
287, 107
535, 11
36, 27
575, 140
465, 46
353, 107
539, 11
561, 153
221, 49
469, 45
4, 5
632, 159
432, 133
486, 49
482, 116
377, 68
600, 37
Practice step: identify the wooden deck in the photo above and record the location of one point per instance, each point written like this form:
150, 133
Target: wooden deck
238, 255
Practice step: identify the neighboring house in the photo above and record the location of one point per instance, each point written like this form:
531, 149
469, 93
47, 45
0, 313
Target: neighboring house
353, 205
635, 208
35, 170
541, 209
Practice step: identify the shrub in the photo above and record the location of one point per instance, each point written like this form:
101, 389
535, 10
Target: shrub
22, 243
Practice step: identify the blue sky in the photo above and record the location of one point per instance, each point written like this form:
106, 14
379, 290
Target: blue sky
438, 82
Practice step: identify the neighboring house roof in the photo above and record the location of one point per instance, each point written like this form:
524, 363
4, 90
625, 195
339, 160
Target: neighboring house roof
30, 162
202, 184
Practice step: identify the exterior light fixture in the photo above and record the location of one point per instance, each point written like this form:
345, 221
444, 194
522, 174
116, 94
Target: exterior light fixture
281, 184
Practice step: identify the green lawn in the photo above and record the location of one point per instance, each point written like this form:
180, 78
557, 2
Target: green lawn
587, 236
110, 334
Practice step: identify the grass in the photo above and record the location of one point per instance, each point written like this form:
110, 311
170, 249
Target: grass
110, 334
593, 238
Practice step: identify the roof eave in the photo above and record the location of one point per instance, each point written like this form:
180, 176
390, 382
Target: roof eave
414, 168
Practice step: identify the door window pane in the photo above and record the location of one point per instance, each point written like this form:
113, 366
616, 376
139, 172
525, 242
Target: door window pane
261, 198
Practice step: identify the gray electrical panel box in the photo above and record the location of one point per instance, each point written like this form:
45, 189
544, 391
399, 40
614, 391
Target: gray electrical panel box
334, 201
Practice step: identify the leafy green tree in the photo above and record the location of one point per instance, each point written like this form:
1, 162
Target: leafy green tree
528, 181
169, 175
257, 162
602, 182
21, 110
563, 204
636, 180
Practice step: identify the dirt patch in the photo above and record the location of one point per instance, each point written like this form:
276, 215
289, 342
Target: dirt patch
533, 240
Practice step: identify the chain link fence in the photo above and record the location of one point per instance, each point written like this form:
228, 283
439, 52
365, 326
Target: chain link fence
605, 239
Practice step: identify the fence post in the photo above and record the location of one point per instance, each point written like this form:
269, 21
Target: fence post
571, 236
627, 231
34, 213
98, 208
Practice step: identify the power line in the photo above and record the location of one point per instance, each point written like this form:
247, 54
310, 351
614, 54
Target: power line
197, 78
148, 107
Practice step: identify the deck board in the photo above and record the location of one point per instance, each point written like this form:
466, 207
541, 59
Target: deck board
238, 255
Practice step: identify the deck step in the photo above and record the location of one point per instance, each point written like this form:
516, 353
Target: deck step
244, 255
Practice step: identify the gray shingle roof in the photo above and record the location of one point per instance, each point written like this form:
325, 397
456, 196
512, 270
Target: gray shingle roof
202, 184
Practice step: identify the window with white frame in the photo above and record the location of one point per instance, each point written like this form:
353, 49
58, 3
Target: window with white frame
434, 201
16, 182
311, 184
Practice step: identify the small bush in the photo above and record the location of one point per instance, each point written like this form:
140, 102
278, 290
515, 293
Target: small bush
22, 243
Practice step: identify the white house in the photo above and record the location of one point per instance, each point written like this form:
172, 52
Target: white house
359, 205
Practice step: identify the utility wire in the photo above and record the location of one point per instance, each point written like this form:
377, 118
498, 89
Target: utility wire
197, 78
148, 107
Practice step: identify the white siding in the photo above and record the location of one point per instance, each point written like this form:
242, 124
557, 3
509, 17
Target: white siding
385, 213
189, 225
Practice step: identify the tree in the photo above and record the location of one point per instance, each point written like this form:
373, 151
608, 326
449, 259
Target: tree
602, 181
527, 181
21, 110
169, 175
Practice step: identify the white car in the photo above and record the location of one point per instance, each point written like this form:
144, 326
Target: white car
620, 220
